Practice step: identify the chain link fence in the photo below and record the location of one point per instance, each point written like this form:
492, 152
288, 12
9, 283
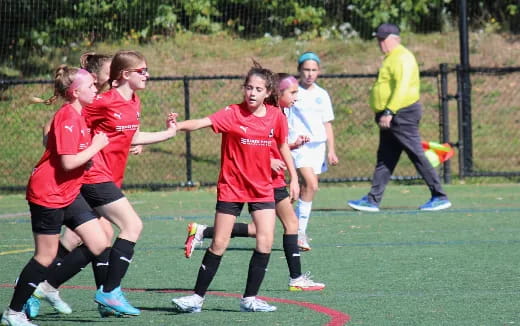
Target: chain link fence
194, 158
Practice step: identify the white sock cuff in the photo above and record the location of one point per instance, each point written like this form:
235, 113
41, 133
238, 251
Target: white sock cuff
303, 208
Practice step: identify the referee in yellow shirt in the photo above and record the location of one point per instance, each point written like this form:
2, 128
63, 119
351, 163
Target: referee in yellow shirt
394, 97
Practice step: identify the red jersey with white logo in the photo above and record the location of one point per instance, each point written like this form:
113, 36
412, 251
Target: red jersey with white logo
50, 185
118, 118
245, 171
278, 177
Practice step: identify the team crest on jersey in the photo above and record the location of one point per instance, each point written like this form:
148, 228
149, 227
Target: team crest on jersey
271, 133
319, 100
118, 115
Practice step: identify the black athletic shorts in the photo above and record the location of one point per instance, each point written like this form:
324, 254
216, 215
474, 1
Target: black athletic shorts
45, 220
280, 194
234, 208
99, 194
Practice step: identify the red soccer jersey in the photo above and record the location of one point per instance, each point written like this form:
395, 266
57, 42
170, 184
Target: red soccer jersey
119, 119
278, 177
245, 168
50, 185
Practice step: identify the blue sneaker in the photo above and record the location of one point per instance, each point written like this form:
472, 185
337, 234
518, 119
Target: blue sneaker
32, 307
116, 301
435, 204
363, 205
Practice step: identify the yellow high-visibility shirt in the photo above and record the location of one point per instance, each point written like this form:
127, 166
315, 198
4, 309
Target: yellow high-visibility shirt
397, 85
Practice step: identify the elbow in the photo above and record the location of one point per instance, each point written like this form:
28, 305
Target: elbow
67, 167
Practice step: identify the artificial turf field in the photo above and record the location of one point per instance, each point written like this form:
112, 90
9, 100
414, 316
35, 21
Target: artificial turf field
396, 267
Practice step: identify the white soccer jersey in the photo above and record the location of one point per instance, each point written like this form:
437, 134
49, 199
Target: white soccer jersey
312, 109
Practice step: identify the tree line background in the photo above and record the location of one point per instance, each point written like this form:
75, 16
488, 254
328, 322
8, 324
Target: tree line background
32, 29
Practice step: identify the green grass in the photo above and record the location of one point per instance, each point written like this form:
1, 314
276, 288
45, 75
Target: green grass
396, 267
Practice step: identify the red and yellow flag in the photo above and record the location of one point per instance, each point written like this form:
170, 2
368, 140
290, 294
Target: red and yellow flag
437, 153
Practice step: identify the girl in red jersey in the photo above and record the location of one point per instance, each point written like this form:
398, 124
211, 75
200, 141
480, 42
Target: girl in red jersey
248, 132
53, 191
99, 66
287, 95
116, 113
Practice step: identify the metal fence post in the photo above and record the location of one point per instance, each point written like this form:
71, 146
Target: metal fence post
465, 90
189, 176
444, 119
460, 124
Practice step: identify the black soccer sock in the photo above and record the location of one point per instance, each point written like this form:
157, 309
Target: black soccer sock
120, 258
62, 252
257, 270
71, 265
207, 272
208, 232
239, 230
292, 254
100, 267
32, 274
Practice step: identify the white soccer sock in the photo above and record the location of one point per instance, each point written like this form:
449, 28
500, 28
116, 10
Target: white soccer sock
303, 211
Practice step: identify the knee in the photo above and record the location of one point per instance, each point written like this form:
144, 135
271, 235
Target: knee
97, 249
311, 187
133, 230
264, 243
44, 260
219, 246
290, 227
70, 240
109, 233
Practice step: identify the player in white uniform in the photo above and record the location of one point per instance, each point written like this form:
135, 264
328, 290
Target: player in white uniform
311, 116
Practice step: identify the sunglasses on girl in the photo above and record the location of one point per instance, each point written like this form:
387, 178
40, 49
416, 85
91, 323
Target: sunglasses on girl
140, 71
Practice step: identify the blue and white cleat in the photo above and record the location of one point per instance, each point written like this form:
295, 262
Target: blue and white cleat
253, 304
45, 291
15, 318
116, 301
189, 303
32, 307
436, 204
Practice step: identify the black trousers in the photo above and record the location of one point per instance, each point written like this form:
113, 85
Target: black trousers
403, 135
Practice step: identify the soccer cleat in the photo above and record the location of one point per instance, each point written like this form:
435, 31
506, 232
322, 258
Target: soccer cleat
195, 238
253, 304
105, 311
116, 301
436, 204
45, 291
189, 303
32, 307
15, 318
303, 242
363, 205
305, 283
